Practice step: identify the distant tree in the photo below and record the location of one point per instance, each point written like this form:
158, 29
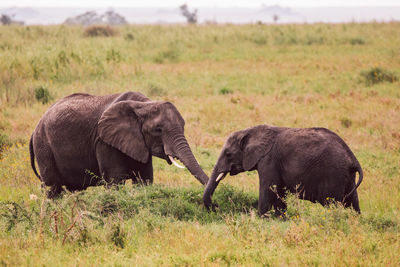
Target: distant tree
5, 19
275, 17
190, 16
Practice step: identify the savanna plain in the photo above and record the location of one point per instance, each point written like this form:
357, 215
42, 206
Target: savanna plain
222, 78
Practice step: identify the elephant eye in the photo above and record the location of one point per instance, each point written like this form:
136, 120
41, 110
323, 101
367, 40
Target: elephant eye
158, 130
228, 154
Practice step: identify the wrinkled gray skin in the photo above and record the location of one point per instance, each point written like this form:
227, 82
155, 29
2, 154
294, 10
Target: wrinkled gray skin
314, 162
112, 136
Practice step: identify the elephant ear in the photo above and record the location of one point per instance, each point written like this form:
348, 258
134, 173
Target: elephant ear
120, 127
254, 147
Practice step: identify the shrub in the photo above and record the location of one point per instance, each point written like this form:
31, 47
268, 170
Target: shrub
380, 223
62, 58
13, 213
346, 122
118, 236
357, 41
129, 37
225, 91
99, 31
97, 208
42, 94
378, 75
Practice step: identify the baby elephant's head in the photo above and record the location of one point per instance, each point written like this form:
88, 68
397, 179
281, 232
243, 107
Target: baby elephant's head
231, 157
241, 152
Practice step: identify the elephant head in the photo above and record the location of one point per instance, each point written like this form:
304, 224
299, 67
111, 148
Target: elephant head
145, 129
241, 152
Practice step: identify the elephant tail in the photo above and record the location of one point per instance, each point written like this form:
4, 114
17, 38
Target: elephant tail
358, 169
32, 153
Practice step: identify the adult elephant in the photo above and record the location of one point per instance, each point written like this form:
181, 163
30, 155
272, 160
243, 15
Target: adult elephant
314, 162
113, 137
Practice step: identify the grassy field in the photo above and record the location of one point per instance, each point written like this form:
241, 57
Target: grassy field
222, 78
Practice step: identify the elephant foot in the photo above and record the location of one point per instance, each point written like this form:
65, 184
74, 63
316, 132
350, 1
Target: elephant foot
266, 215
212, 207
278, 213
54, 191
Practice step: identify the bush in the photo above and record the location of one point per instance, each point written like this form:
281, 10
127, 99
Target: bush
378, 75
98, 204
118, 236
99, 31
225, 91
42, 94
129, 37
346, 122
357, 41
13, 214
180, 204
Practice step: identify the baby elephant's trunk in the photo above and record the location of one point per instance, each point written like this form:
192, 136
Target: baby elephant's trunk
210, 188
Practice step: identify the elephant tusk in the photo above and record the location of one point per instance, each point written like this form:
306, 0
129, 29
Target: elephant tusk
174, 162
221, 176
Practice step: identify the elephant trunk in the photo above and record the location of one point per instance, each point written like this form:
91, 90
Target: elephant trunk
185, 155
210, 188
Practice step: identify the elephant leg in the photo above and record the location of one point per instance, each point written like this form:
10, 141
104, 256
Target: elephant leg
113, 174
49, 173
143, 173
352, 200
280, 204
113, 164
54, 191
269, 187
50, 177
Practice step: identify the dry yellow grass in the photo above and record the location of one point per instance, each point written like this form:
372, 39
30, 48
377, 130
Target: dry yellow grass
222, 78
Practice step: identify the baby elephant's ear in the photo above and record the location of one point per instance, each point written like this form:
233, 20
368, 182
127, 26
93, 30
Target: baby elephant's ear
120, 127
255, 146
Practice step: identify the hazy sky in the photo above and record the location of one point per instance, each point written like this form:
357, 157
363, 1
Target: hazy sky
194, 3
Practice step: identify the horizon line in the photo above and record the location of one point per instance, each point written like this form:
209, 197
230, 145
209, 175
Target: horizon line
205, 6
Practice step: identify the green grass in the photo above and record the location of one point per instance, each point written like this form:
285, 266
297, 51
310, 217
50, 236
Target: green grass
222, 78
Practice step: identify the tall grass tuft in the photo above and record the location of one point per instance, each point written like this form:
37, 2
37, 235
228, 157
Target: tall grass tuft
5, 142
377, 75
42, 95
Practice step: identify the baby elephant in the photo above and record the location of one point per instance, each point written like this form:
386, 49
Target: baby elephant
314, 162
